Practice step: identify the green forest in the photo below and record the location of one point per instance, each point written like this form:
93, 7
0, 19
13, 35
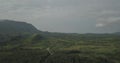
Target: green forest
47, 47
60, 48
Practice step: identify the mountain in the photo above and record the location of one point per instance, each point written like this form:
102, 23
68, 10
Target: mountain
11, 26
46, 47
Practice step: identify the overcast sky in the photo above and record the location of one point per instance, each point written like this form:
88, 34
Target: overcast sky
74, 16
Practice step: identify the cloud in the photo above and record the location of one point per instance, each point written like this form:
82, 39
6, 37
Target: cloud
108, 13
106, 19
79, 16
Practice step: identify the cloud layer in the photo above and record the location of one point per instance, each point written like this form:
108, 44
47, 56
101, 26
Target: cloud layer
79, 16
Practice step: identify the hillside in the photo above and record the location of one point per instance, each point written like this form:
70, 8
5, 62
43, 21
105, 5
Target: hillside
11, 26
23, 43
65, 48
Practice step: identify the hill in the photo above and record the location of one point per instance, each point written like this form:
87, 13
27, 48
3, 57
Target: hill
11, 26
23, 43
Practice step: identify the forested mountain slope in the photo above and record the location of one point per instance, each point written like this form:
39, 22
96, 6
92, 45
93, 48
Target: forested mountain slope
11, 26
21, 42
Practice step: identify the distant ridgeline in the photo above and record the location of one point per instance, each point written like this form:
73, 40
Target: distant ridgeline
10, 26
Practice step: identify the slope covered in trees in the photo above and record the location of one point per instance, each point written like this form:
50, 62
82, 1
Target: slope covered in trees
10, 26
63, 48
46, 47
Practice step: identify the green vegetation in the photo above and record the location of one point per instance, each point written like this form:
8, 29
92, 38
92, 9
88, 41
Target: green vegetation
61, 48
10, 26
45, 47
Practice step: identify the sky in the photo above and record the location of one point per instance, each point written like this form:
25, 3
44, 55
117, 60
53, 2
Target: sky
69, 16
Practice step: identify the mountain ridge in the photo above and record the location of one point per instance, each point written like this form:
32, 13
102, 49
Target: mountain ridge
11, 26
